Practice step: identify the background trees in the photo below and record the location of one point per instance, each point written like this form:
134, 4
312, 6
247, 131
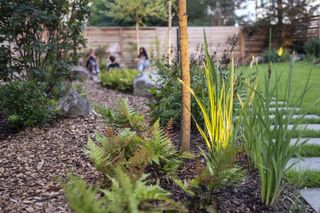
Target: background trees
137, 11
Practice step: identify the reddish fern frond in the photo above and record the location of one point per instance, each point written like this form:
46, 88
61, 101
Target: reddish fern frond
169, 130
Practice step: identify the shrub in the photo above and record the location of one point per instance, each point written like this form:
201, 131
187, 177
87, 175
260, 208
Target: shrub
119, 79
312, 47
165, 103
43, 49
25, 103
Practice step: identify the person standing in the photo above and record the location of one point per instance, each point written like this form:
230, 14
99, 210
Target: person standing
143, 59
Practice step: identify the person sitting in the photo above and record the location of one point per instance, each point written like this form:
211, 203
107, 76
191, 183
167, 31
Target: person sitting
113, 63
143, 59
91, 62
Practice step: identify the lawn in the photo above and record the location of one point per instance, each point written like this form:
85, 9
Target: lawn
301, 72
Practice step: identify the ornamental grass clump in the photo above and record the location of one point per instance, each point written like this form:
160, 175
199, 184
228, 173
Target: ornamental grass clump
219, 128
267, 139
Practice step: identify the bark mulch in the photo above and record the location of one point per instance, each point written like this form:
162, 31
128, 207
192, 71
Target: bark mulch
34, 160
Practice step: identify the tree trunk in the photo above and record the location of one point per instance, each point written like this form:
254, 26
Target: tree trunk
185, 76
170, 31
138, 35
280, 22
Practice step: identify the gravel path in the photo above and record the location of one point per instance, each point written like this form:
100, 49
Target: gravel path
33, 161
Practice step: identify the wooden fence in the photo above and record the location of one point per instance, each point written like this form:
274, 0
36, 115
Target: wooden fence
121, 40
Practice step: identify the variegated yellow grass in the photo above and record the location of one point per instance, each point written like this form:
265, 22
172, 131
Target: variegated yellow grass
218, 110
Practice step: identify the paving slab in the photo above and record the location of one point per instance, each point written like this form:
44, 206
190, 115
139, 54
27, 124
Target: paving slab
312, 196
305, 164
310, 141
279, 103
273, 109
309, 116
312, 127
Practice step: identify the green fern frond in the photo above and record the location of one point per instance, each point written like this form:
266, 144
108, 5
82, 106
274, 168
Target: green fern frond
96, 154
82, 198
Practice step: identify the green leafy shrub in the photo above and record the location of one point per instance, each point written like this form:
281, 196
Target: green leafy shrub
25, 103
119, 79
312, 47
44, 48
124, 195
273, 55
165, 102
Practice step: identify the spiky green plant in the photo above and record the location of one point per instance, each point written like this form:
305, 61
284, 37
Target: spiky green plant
267, 139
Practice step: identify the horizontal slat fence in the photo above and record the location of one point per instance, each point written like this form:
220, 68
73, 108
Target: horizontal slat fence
120, 40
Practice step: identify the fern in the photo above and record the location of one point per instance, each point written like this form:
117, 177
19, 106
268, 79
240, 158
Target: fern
123, 116
81, 197
126, 195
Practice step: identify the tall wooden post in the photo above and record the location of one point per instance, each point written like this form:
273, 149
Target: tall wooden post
242, 46
169, 31
185, 76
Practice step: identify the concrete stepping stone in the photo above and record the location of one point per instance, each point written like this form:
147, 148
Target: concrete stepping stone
310, 141
305, 164
273, 109
312, 196
279, 103
312, 127
310, 116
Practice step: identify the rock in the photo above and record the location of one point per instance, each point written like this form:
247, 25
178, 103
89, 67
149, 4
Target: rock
79, 73
298, 57
146, 80
73, 105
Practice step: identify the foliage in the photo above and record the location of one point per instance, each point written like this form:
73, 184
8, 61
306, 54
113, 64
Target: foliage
165, 103
119, 79
42, 49
123, 116
274, 56
217, 110
131, 143
220, 170
288, 19
124, 195
309, 178
25, 103
266, 139
312, 47
309, 150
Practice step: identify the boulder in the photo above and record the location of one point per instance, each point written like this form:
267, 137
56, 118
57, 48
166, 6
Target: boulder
298, 57
146, 80
79, 73
73, 105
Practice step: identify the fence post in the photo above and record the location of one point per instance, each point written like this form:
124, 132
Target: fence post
319, 26
242, 46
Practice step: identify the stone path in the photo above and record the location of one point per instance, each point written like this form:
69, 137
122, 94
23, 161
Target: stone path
312, 195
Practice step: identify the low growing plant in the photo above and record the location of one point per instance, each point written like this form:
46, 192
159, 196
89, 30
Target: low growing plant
124, 195
312, 47
25, 103
119, 79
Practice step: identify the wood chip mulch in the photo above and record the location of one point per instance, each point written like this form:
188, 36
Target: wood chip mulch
35, 160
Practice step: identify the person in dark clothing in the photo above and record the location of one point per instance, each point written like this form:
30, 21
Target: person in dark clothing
113, 64
91, 62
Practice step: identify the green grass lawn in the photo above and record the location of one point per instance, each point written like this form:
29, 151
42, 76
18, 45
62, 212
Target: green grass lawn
301, 71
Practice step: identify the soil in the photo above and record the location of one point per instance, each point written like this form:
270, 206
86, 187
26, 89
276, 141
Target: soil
34, 161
